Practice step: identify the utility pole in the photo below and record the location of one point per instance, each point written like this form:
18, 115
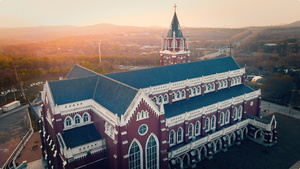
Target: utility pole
18, 77
99, 52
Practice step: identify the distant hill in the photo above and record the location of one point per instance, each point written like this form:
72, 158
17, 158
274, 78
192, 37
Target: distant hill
294, 24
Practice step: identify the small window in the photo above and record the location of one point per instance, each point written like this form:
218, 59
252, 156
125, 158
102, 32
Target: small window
191, 130
165, 98
173, 96
198, 90
194, 91
68, 121
160, 99
178, 95
180, 135
171, 137
77, 120
154, 99
182, 94
85, 118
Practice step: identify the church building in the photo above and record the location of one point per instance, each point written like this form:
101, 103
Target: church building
171, 116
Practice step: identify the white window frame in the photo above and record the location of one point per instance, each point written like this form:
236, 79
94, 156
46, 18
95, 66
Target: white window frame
181, 140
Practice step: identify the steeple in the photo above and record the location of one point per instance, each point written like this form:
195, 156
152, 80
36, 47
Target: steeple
174, 47
175, 26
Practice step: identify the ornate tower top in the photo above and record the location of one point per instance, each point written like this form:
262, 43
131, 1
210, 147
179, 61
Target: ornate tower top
175, 26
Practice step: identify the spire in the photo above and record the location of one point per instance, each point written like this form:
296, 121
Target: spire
175, 26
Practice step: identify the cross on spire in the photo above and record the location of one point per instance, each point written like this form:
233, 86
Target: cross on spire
175, 8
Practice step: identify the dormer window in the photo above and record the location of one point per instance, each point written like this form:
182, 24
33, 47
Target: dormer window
142, 115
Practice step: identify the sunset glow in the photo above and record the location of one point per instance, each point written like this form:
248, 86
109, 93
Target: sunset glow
209, 13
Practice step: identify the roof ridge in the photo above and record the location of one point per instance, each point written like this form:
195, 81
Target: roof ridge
119, 82
95, 88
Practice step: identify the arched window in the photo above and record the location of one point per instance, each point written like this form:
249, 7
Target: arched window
77, 119
166, 98
205, 88
85, 117
239, 79
154, 99
190, 92
168, 44
221, 118
151, 157
173, 96
198, 90
178, 95
68, 121
135, 161
191, 130
221, 84
173, 43
194, 91
212, 86
181, 43
225, 83
169, 61
235, 113
197, 128
182, 93
213, 122
171, 137
207, 122
179, 135
208, 87
160, 99
240, 111
165, 62
227, 116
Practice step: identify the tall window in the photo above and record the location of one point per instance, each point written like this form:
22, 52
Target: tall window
171, 137
240, 111
77, 119
197, 128
222, 118
208, 87
135, 156
207, 123
194, 91
168, 44
178, 95
191, 130
227, 116
152, 153
213, 122
173, 43
173, 96
181, 43
85, 118
235, 113
68, 121
154, 99
179, 135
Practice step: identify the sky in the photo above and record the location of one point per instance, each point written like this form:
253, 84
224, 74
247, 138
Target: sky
191, 13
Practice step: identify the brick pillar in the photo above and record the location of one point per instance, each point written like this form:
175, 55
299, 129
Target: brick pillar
224, 143
187, 93
163, 142
209, 150
216, 85
218, 119
258, 107
231, 114
170, 96
228, 82
203, 126
186, 131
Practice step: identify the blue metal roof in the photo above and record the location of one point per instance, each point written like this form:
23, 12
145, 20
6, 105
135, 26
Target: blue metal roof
207, 99
161, 75
175, 27
111, 94
73, 90
80, 135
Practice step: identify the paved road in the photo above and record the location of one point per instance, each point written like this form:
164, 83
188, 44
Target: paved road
272, 107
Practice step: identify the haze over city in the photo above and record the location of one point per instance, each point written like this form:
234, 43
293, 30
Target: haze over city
192, 13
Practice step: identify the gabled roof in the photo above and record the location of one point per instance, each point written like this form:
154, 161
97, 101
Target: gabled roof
175, 27
207, 99
113, 95
144, 78
80, 135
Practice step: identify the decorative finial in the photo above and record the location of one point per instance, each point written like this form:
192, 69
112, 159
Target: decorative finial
175, 8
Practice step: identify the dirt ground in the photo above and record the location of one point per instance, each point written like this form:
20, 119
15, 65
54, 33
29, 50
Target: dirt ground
7, 148
32, 150
250, 155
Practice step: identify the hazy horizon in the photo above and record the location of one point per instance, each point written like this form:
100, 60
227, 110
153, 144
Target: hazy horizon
213, 13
